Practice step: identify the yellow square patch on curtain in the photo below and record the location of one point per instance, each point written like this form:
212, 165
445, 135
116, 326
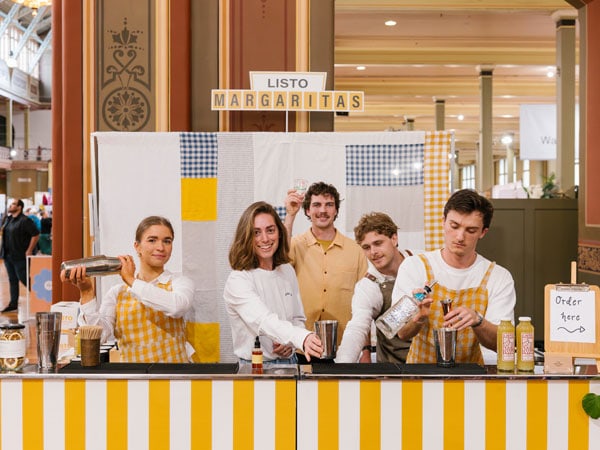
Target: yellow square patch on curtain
205, 339
199, 199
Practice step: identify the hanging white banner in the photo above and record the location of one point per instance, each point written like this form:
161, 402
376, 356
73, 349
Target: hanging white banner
538, 132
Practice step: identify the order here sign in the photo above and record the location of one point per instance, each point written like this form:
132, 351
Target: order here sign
287, 91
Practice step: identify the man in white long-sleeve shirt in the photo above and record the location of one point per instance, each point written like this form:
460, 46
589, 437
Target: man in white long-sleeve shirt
376, 233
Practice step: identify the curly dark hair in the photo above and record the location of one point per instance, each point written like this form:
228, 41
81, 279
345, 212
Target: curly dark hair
466, 201
321, 188
241, 253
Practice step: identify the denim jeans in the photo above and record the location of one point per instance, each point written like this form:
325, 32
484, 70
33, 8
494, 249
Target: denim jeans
16, 270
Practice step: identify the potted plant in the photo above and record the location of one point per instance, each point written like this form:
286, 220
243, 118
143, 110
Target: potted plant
591, 405
550, 188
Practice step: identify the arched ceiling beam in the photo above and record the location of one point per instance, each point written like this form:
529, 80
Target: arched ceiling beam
9, 18
40, 51
29, 31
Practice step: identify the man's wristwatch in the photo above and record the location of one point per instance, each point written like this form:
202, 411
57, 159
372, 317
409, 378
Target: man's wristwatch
479, 320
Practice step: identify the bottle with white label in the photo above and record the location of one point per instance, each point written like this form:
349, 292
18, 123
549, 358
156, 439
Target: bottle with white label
525, 345
398, 315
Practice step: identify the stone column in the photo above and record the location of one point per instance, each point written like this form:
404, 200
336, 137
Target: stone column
440, 112
510, 164
26, 128
565, 98
9, 119
484, 174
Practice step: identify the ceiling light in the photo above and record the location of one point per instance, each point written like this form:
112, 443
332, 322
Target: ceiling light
11, 61
460, 117
34, 4
390, 23
550, 73
361, 68
506, 139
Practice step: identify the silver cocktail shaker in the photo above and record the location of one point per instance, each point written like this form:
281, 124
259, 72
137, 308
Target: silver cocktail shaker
391, 321
95, 266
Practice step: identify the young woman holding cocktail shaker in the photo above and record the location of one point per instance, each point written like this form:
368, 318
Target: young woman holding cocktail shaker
145, 312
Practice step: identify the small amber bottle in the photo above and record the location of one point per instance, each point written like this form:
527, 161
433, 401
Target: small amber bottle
257, 357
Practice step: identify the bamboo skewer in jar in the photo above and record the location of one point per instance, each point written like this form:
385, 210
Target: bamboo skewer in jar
89, 337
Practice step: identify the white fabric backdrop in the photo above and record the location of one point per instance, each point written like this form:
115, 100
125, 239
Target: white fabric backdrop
139, 174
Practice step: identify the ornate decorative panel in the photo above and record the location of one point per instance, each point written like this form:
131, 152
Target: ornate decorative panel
125, 65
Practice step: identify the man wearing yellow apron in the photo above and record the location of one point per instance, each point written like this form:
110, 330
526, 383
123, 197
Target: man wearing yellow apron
482, 292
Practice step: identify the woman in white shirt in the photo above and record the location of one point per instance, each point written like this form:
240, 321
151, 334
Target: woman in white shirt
145, 312
261, 293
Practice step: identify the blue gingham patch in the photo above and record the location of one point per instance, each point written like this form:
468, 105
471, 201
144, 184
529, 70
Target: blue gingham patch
280, 210
384, 165
198, 155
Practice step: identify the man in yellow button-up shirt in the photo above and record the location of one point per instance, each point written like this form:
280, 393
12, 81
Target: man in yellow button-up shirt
327, 263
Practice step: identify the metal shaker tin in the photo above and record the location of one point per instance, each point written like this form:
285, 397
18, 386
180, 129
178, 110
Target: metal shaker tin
95, 266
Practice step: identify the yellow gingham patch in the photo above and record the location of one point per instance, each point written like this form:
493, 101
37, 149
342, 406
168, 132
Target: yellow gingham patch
438, 145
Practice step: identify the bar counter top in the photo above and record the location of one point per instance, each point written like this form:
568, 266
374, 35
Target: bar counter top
582, 371
224, 371
133, 371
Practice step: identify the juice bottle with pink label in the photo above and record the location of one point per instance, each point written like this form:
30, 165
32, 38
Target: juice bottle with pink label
505, 346
525, 346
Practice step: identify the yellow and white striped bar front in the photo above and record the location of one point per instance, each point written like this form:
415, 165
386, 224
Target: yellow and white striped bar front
445, 414
155, 414
323, 414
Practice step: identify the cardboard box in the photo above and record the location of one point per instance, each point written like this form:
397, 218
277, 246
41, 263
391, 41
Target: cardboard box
70, 313
66, 349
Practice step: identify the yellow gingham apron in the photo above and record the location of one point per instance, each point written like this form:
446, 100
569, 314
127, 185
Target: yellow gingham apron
422, 349
147, 335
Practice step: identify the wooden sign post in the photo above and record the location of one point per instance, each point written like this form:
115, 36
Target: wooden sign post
572, 328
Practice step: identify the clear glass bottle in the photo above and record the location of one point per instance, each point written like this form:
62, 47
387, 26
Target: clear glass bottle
13, 346
505, 346
392, 321
525, 345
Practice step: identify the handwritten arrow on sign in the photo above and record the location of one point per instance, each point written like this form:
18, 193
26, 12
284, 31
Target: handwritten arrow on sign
580, 329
